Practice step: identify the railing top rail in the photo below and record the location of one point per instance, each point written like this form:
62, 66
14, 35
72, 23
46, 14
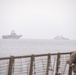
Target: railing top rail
35, 55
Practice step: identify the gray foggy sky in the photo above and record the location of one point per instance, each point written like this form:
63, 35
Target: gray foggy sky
39, 19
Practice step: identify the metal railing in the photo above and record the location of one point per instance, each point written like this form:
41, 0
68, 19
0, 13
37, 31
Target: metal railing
41, 64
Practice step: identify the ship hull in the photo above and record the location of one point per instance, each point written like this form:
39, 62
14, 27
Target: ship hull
11, 37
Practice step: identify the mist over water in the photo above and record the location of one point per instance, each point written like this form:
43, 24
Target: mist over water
34, 46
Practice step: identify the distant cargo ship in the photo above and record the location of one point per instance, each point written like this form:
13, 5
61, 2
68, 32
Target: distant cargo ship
60, 38
13, 35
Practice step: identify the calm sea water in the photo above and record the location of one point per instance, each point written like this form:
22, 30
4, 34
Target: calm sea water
34, 46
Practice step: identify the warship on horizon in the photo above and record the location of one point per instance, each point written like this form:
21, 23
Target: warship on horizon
60, 38
11, 36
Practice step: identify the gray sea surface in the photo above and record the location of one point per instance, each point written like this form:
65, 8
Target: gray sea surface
17, 47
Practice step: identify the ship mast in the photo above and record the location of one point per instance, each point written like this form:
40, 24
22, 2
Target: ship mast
13, 32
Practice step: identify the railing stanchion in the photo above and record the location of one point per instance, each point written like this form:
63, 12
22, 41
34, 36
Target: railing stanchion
31, 65
10, 67
48, 64
57, 63
70, 69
